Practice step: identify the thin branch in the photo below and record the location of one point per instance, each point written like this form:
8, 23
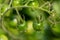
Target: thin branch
10, 3
20, 18
24, 7
8, 8
44, 4
27, 3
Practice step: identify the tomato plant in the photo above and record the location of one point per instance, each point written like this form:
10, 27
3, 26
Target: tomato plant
29, 19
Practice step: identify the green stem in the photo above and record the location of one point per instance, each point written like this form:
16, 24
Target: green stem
20, 18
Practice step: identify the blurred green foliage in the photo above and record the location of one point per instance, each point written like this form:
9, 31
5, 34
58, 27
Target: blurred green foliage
29, 19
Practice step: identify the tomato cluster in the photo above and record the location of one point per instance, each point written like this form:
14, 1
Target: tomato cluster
30, 19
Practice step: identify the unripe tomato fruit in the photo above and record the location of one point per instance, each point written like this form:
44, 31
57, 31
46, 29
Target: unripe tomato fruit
37, 26
29, 29
56, 29
22, 26
34, 4
13, 22
16, 3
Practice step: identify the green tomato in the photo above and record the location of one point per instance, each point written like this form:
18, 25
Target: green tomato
3, 37
29, 12
56, 29
13, 22
29, 29
37, 26
16, 3
22, 26
34, 4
